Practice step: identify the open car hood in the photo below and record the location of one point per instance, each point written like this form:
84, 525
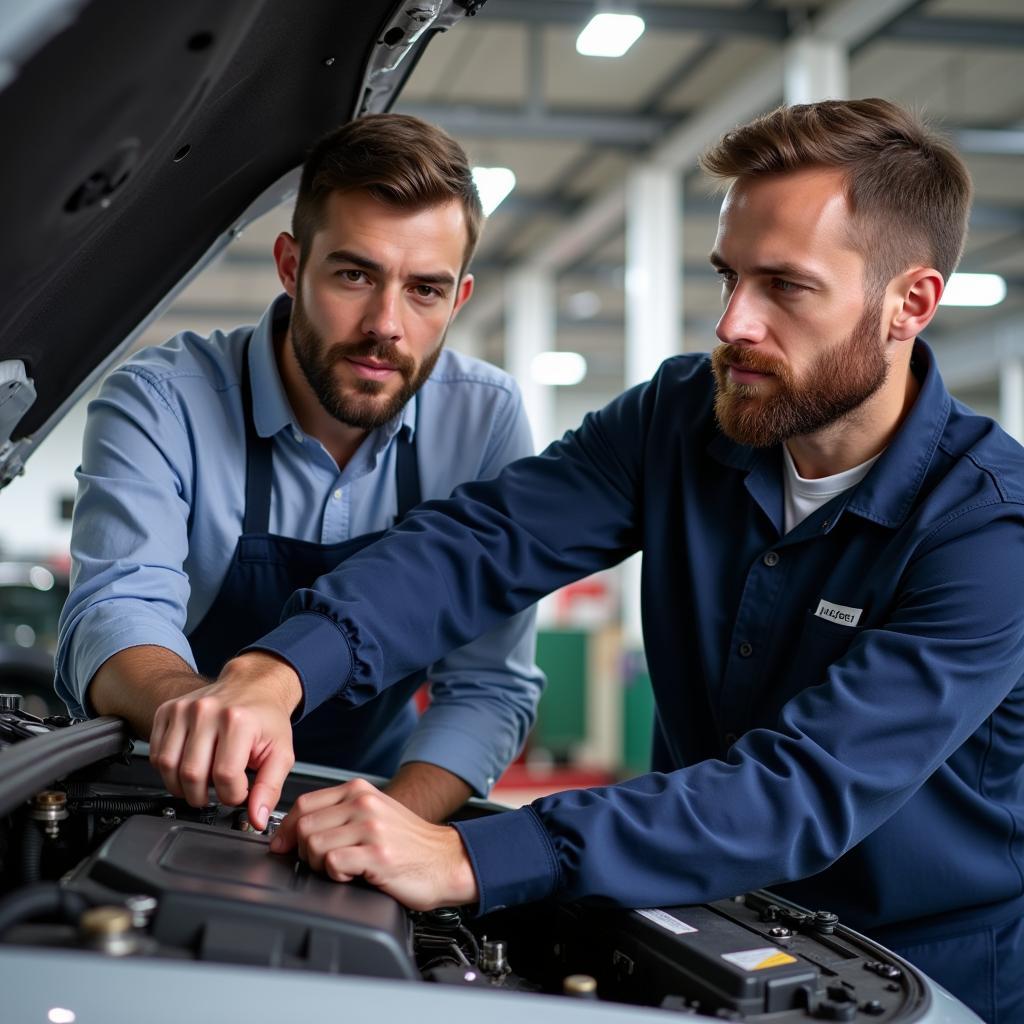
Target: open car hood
140, 139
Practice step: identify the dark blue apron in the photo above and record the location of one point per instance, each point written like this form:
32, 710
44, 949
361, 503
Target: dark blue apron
265, 570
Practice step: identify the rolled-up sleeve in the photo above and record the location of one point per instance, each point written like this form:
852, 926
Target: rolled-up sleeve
130, 534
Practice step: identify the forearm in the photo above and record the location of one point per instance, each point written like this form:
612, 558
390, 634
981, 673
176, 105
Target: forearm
135, 682
428, 790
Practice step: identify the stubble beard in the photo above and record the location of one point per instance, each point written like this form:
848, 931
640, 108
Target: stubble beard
836, 383
360, 404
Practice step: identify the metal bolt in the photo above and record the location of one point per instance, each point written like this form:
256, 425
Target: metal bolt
778, 932
273, 822
582, 986
492, 957
329, 62
109, 929
142, 908
50, 809
169, 812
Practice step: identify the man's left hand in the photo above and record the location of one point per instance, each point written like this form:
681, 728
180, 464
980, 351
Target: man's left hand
356, 831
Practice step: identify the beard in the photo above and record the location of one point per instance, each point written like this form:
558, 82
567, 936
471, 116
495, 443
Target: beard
837, 381
363, 404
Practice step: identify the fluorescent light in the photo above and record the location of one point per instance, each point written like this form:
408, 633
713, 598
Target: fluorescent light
583, 305
493, 184
609, 35
558, 369
974, 290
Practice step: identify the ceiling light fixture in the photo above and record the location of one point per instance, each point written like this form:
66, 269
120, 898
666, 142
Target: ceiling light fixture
493, 184
609, 35
974, 290
558, 369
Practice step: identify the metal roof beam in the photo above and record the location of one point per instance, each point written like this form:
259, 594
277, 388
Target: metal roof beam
612, 128
770, 24
919, 28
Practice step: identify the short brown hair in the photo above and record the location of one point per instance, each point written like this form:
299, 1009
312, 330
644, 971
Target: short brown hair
400, 160
909, 190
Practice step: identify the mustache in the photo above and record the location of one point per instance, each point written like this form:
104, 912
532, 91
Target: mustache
369, 348
746, 359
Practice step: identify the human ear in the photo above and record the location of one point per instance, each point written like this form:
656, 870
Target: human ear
465, 290
917, 293
286, 258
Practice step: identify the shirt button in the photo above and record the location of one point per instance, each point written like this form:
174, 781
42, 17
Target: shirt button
771, 559
746, 650
297, 436
825, 525
337, 494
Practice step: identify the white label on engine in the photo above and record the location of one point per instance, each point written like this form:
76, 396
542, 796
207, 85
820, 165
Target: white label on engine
673, 924
759, 959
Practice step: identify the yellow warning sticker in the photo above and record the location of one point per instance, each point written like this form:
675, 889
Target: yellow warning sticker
759, 959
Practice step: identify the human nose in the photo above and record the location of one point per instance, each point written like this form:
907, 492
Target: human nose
381, 319
742, 320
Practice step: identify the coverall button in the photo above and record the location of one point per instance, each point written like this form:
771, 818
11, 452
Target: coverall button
771, 558
746, 650
337, 494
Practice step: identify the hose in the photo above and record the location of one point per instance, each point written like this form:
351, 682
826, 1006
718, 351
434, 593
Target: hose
41, 899
31, 852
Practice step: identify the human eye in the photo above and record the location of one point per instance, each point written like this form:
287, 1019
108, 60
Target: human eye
350, 275
780, 284
727, 276
427, 292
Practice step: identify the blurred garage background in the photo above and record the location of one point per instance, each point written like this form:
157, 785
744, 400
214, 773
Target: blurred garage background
593, 266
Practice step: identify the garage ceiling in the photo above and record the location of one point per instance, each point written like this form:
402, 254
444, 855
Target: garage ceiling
510, 85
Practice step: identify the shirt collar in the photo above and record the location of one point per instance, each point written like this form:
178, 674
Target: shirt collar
886, 495
271, 410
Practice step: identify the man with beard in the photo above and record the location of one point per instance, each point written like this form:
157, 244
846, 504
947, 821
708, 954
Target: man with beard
221, 474
832, 602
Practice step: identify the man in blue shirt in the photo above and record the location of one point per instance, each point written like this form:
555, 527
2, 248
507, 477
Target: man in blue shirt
221, 474
832, 598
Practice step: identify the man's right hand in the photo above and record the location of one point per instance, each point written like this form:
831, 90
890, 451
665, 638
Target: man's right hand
215, 732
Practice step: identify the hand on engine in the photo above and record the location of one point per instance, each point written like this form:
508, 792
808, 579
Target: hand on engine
355, 830
214, 733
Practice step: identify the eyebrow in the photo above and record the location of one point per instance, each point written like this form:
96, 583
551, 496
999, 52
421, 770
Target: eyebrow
354, 259
783, 269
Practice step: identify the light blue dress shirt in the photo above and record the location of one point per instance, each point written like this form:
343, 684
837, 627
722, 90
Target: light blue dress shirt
161, 495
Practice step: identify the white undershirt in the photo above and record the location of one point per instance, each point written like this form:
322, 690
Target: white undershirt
806, 496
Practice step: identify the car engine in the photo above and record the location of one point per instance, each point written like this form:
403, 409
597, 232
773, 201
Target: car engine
98, 858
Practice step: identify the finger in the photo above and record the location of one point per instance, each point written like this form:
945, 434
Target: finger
311, 828
238, 733
287, 836
166, 755
326, 841
197, 757
343, 863
237, 737
270, 776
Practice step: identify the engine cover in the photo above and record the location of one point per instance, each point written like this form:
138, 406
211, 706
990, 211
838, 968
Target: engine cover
222, 896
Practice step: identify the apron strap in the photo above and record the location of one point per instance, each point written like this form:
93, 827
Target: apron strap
259, 461
259, 466
407, 476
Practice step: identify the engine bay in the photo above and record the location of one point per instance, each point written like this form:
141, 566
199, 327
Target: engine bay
103, 861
